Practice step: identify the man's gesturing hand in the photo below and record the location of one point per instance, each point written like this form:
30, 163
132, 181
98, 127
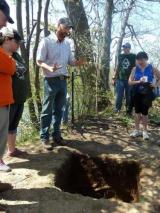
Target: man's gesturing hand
55, 67
80, 62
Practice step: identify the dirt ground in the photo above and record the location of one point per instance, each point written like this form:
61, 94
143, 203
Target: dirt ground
33, 176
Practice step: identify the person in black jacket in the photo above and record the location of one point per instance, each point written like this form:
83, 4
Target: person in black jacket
20, 92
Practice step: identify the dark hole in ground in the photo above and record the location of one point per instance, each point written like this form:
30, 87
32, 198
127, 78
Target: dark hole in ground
100, 177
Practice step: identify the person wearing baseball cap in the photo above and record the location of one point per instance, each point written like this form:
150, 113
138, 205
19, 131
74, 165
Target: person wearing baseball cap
4, 14
11, 33
20, 90
126, 62
63, 29
126, 46
66, 22
4, 18
53, 56
7, 69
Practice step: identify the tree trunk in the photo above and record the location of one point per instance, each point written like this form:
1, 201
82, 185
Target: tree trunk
36, 68
83, 49
25, 55
32, 15
46, 31
82, 38
28, 18
105, 61
123, 28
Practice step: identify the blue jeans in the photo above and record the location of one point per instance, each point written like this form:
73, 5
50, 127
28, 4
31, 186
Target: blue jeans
122, 88
55, 91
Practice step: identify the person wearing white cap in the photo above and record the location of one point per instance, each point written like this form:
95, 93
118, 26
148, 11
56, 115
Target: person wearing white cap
20, 92
5, 75
8, 44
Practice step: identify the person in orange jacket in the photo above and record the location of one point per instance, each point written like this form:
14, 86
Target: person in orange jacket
7, 69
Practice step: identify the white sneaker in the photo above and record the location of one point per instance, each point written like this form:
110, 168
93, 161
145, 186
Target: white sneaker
4, 167
145, 135
136, 133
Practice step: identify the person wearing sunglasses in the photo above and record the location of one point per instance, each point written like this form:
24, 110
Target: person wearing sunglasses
7, 69
11, 40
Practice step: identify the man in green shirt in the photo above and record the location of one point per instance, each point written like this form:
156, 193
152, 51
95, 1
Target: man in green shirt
126, 62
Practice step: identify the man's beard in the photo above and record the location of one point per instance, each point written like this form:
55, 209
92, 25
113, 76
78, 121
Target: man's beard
62, 35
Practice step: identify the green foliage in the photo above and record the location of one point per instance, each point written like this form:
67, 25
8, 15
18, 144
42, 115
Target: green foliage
126, 121
84, 90
155, 112
26, 131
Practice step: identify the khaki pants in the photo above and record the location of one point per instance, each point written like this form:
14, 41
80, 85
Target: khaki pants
4, 122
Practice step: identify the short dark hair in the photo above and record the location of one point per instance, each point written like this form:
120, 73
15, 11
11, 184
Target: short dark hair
142, 55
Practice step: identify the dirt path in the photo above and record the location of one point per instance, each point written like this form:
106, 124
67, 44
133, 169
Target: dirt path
33, 176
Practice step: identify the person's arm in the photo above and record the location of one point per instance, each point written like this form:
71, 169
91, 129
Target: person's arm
52, 68
157, 76
80, 62
7, 64
72, 61
115, 76
116, 70
131, 80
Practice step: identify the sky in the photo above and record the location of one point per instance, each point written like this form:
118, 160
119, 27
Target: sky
58, 7
153, 17
143, 19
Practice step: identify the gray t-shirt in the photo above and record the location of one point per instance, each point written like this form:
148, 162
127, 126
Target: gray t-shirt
51, 51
